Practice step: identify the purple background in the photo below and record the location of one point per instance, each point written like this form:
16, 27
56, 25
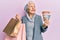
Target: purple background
9, 8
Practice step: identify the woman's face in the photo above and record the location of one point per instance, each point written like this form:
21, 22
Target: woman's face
31, 8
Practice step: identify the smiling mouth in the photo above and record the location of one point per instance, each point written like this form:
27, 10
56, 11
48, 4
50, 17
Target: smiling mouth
32, 10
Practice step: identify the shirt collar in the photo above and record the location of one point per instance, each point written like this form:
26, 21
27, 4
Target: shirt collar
30, 19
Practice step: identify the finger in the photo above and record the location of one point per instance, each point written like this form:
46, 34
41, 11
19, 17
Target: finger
18, 17
46, 21
45, 18
46, 24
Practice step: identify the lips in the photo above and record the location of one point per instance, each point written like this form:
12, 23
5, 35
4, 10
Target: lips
32, 10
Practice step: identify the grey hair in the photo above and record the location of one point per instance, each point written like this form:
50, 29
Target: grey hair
26, 7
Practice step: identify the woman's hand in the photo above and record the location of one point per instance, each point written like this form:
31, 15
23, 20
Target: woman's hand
46, 23
17, 17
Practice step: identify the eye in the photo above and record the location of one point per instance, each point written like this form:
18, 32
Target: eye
30, 6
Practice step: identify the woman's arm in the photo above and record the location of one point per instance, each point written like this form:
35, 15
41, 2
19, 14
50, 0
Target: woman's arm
43, 26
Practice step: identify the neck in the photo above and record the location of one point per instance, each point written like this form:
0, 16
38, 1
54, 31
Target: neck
30, 15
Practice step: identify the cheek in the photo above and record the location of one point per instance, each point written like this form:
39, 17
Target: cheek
29, 10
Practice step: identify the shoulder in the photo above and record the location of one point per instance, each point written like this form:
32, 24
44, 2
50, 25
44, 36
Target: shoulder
38, 16
24, 17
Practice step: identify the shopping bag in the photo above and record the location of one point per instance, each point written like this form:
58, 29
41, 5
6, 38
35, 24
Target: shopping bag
10, 27
22, 33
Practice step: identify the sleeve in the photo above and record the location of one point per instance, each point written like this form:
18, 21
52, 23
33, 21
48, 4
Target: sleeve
42, 28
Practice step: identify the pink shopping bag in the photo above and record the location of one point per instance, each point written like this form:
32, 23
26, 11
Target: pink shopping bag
21, 34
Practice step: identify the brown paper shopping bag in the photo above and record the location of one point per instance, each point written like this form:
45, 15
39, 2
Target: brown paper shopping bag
16, 29
10, 27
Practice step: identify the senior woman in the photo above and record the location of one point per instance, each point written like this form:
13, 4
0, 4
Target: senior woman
33, 23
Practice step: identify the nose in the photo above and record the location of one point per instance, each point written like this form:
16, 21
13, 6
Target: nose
33, 8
